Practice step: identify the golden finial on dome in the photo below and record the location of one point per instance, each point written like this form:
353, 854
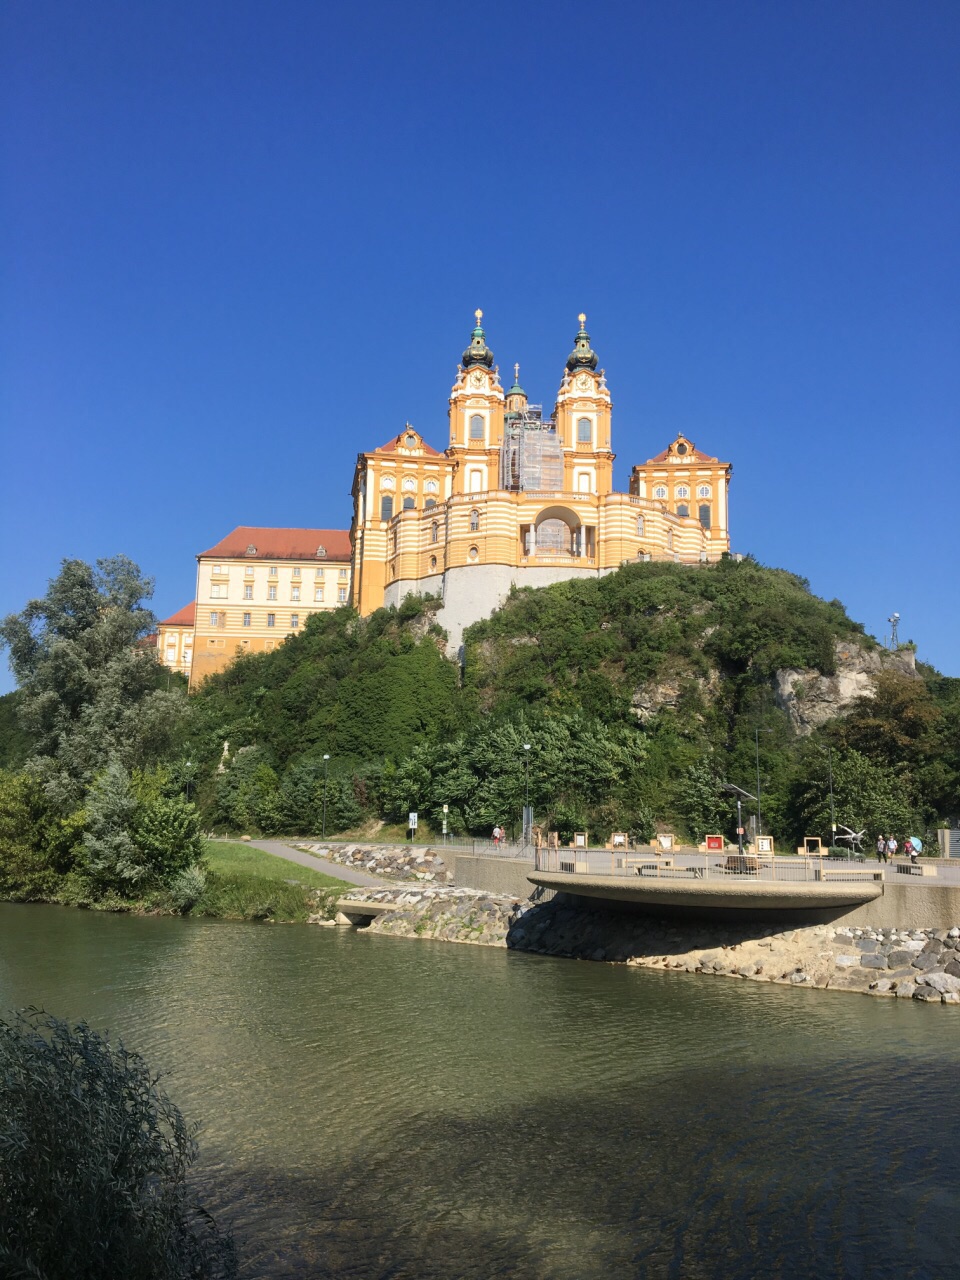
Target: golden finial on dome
583, 320
479, 314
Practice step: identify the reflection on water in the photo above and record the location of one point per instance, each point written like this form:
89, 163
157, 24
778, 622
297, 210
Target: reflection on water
375, 1107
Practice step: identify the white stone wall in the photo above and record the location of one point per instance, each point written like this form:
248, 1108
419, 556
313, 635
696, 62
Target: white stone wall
472, 592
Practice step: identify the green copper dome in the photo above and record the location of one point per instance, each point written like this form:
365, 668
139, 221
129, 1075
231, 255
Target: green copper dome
478, 353
582, 356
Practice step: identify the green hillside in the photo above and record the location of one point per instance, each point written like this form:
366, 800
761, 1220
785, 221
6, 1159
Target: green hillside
639, 694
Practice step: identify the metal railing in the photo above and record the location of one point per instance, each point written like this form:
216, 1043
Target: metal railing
727, 867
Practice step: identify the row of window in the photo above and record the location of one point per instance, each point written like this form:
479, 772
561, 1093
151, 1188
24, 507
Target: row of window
272, 572
219, 591
386, 505
584, 429
683, 491
409, 484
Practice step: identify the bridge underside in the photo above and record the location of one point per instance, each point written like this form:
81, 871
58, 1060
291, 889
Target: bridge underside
711, 897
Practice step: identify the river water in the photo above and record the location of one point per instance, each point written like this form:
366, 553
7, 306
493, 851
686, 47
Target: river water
380, 1107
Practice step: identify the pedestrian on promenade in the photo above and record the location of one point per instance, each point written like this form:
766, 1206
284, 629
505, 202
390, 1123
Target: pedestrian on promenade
881, 848
892, 846
910, 848
496, 836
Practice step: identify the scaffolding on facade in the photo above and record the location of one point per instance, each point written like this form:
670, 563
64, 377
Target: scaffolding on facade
530, 455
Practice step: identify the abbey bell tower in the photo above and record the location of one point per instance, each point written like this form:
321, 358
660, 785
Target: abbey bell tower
476, 417
582, 417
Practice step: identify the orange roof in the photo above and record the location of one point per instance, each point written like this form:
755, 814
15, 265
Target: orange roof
396, 444
691, 451
185, 617
253, 543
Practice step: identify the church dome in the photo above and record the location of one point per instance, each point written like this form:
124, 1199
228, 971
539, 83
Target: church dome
478, 353
582, 356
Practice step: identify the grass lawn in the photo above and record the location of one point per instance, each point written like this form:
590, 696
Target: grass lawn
229, 857
248, 884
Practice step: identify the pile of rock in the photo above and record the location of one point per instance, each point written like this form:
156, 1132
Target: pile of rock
919, 964
395, 862
447, 914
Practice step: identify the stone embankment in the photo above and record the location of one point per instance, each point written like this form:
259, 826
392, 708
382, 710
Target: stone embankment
444, 913
919, 964
392, 862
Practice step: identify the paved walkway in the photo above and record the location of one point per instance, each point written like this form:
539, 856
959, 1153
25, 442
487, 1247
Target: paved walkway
281, 850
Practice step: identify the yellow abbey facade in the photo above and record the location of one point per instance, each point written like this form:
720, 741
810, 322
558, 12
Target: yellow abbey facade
520, 498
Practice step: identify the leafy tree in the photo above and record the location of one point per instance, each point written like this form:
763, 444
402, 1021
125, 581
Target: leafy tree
88, 691
94, 1159
111, 860
37, 847
704, 806
867, 796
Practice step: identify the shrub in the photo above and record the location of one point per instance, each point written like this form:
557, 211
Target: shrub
94, 1160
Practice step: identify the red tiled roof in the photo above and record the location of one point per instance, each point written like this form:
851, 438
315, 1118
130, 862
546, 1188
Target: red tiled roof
185, 617
281, 544
395, 445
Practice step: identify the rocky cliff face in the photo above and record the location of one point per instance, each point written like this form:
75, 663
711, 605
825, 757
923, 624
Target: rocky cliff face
810, 699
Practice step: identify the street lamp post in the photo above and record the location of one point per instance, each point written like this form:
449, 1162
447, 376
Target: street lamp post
527, 824
756, 734
323, 834
833, 815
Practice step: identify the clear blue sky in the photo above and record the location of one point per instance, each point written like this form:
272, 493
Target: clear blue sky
244, 241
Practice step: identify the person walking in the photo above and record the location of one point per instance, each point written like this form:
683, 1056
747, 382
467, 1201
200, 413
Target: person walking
892, 846
496, 837
881, 848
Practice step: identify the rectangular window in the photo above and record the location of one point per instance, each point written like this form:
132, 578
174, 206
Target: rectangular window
318, 595
218, 568
248, 591
248, 571
271, 593
218, 591
584, 430
273, 571
271, 619
213, 619
294, 621
342, 575
342, 595
294, 593
296, 571
318, 573
246, 619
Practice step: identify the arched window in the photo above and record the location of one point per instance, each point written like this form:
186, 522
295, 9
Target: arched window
639, 526
683, 509
430, 486
435, 531
411, 442
430, 502
705, 515
433, 562
683, 491
409, 483
474, 520
386, 507
660, 491
704, 491
584, 430
387, 482
476, 427
408, 504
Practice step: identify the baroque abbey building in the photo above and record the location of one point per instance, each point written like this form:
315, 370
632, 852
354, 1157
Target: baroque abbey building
522, 498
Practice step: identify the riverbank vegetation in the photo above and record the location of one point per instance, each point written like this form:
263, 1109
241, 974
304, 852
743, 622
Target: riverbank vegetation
640, 695
94, 1164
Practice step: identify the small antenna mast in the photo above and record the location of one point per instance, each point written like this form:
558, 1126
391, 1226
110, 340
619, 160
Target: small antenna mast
894, 621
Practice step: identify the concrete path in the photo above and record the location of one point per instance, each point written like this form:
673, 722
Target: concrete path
348, 874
